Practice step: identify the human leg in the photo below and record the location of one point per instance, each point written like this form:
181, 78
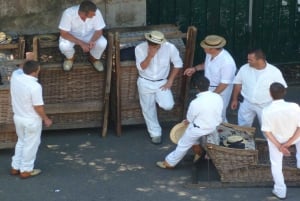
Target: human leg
297, 145
148, 105
276, 169
164, 99
17, 157
226, 95
32, 139
99, 48
96, 52
189, 138
67, 48
246, 114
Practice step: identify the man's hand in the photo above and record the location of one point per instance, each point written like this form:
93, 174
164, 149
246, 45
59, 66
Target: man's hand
48, 122
166, 86
189, 71
234, 104
85, 46
152, 50
92, 44
284, 150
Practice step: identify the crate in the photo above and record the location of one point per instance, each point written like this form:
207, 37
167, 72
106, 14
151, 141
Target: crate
249, 165
125, 106
17, 49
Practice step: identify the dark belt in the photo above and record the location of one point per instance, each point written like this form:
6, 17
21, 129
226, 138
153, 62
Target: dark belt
196, 126
213, 86
152, 80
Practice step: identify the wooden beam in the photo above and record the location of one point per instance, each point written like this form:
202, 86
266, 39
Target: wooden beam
61, 108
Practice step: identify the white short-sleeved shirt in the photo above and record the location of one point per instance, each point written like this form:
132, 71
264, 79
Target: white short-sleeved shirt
221, 69
159, 66
281, 118
26, 92
256, 83
72, 23
206, 110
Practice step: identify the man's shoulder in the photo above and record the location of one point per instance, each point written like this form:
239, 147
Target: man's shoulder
72, 9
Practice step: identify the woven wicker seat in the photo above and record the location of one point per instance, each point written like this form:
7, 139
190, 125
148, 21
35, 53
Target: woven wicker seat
249, 166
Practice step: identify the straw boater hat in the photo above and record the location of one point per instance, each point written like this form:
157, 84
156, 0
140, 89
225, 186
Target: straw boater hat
155, 37
2, 37
177, 131
234, 141
213, 41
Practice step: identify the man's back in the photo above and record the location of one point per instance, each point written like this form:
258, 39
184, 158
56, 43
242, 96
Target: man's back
281, 118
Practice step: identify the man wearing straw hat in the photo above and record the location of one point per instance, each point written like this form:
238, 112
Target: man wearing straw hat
153, 58
219, 67
281, 125
203, 116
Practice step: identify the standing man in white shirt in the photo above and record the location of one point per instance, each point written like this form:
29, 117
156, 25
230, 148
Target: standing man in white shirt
82, 25
153, 58
29, 113
253, 81
219, 67
281, 125
203, 116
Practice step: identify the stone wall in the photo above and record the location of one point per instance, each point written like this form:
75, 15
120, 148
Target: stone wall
28, 17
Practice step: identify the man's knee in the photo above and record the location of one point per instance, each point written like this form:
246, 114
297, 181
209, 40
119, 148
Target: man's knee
101, 43
167, 107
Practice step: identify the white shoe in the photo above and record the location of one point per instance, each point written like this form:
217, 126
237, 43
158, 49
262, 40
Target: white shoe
278, 195
98, 65
68, 64
156, 140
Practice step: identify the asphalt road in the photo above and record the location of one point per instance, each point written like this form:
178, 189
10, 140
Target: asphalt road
79, 165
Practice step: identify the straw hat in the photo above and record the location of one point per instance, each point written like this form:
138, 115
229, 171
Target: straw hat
177, 131
234, 141
213, 41
2, 37
155, 37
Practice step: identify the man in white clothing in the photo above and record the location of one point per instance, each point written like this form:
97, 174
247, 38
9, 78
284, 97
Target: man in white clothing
28, 109
203, 116
281, 125
219, 67
82, 25
153, 58
252, 82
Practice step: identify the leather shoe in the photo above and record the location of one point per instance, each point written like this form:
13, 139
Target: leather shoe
164, 165
96, 63
14, 171
68, 64
276, 194
156, 140
34, 172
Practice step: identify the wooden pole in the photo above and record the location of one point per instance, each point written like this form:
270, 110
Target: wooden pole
107, 84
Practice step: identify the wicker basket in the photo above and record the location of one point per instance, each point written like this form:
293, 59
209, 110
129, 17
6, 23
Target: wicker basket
8, 135
73, 99
249, 166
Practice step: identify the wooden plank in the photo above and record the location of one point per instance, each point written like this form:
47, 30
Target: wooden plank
167, 35
61, 108
73, 125
118, 97
107, 84
188, 62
